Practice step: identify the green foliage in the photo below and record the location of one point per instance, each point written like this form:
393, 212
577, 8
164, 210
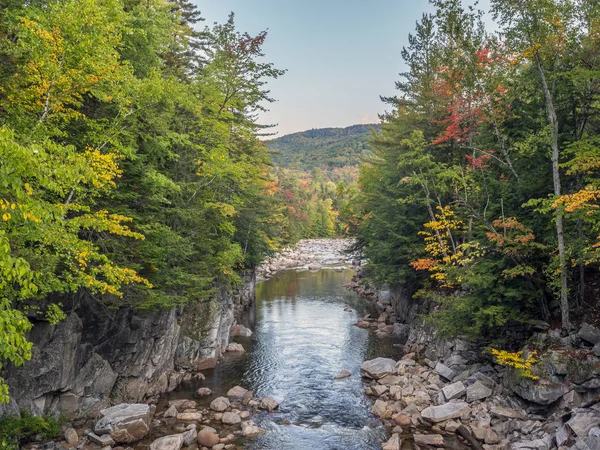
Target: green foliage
16, 431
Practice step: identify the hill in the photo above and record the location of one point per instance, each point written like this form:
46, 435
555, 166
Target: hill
326, 148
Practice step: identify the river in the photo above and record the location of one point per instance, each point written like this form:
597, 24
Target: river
302, 339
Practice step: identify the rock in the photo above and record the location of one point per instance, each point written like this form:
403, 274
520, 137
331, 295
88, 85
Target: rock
402, 419
244, 414
490, 437
240, 330
447, 411
231, 418
203, 392
183, 404
126, 422
250, 429
343, 374
596, 350
445, 371
103, 439
478, 391
433, 440
378, 368
589, 333
220, 404
454, 390
171, 412
208, 438
562, 435
543, 394
582, 422
348, 310
394, 443
452, 426
379, 408
190, 436
588, 443
536, 444
174, 442
500, 411
235, 347
71, 436
268, 404
188, 416
236, 391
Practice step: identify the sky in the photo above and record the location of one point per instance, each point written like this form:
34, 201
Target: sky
340, 55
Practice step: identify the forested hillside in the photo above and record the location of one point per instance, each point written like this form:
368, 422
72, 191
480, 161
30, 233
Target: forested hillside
482, 194
130, 168
325, 148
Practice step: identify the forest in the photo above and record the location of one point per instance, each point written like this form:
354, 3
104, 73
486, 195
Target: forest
482, 194
130, 165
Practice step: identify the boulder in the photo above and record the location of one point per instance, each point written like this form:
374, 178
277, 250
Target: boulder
190, 436
478, 391
236, 391
447, 411
394, 443
220, 404
268, 403
343, 374
240, 330
208, 438
170, 412
454, 390
378, 368
174, 442
583, 421
444, 371
589, 333
203, 392
103, 440
231, 418
126, 422
249, 429
379, 408
71, 436
235, 347
433, 440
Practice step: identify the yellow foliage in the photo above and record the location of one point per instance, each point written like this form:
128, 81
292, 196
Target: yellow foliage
516, 361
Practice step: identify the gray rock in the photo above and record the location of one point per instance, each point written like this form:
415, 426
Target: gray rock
447, 411
536, 444
103, 439
220, 404
589, 333
536, 393
587, 443
583, 421
203, 392
500, 411
478, 391
189, 437
394, 443
433, 440
236, 391
454, 390
250, 429
268, 403
378, 368
231, 418
445, 371
562, 435
126, 422
71, 436
174, 442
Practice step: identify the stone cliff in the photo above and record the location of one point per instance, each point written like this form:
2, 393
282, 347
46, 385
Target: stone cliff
98, 356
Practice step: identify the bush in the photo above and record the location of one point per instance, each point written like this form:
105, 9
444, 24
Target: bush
15, 431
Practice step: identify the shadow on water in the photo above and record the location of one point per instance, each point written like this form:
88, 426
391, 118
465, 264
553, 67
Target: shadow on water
302, 339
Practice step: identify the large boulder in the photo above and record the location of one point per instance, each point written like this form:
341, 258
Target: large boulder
236, 391
220, 404
583, 421
125, 423
444, 412
378, 368
589, 333
478, 391
542, 394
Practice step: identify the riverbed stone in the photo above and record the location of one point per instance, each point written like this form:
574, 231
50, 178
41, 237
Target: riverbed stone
173, 442
126, 422
250, 429
378, 368
268, 403
447, 411
208, 438
203, 392
343, 374
454, 390
189, 416
394, 443
231, 418
237, 391
183, 404
220, 404
433, 440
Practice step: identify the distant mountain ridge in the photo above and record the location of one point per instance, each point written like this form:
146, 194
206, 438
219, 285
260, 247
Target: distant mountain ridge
326, 148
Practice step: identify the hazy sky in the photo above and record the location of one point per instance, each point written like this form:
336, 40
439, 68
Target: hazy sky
341, 55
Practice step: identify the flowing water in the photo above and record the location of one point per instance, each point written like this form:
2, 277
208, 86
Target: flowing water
302, 339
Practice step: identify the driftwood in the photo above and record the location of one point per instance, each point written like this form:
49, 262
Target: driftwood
468, 436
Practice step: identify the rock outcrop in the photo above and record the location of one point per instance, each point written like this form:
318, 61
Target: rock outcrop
97, 356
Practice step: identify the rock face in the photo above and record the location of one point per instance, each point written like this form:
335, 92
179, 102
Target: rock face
125, 423
378, 368
96, 354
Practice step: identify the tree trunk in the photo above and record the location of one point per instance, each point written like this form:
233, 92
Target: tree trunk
553, 122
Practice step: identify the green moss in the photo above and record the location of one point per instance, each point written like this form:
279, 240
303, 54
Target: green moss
16, 431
